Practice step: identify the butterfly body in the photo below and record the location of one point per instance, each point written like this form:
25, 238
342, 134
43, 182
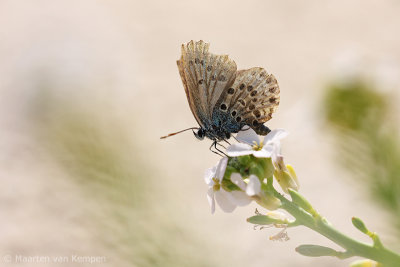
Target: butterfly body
219, 128
222, 99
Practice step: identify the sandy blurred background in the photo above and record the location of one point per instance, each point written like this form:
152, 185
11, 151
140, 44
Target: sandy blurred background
88, 87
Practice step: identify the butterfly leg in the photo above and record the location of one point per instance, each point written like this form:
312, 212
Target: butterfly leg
226, 141
215, 146
221, 145
210, 148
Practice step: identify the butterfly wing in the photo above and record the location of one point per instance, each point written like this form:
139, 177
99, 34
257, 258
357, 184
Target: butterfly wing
252, 98
205, 76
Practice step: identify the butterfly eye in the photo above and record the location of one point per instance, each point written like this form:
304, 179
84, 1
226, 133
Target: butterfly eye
233, 113
223, 107
231, 91
200, 134
241, 87
238, 119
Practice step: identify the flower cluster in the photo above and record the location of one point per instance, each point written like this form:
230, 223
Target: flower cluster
242, 177
248, 174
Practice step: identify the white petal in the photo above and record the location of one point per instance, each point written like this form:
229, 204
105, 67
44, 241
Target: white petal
275, 136
225, 202
248, 136
240, 198
221, 167
240, 149
254, 186
237, 179
209, 175
276, 151
266, 152
277, 148
211, 200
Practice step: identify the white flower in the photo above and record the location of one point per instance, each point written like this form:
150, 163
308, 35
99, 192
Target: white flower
252, 145
252, 187
213, 178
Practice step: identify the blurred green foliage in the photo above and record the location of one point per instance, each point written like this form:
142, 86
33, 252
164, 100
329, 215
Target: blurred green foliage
99, 154
353, 106
367, 140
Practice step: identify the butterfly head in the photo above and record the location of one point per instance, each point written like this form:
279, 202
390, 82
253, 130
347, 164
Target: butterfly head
215, 134
200, 134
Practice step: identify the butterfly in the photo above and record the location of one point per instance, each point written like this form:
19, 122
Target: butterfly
223, 99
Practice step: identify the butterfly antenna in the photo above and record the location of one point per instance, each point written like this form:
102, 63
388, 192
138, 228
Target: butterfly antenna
172, 134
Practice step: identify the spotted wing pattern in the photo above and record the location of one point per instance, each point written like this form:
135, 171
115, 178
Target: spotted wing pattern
205, 77
252, 98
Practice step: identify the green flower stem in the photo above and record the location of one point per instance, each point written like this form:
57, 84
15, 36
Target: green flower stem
353, 247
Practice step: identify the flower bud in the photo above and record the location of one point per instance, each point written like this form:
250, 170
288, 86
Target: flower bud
365, 263
285, 175
257, 170
359, 224
293, 175
315, 251
268, 201
244, 160
272, 217
268, 167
